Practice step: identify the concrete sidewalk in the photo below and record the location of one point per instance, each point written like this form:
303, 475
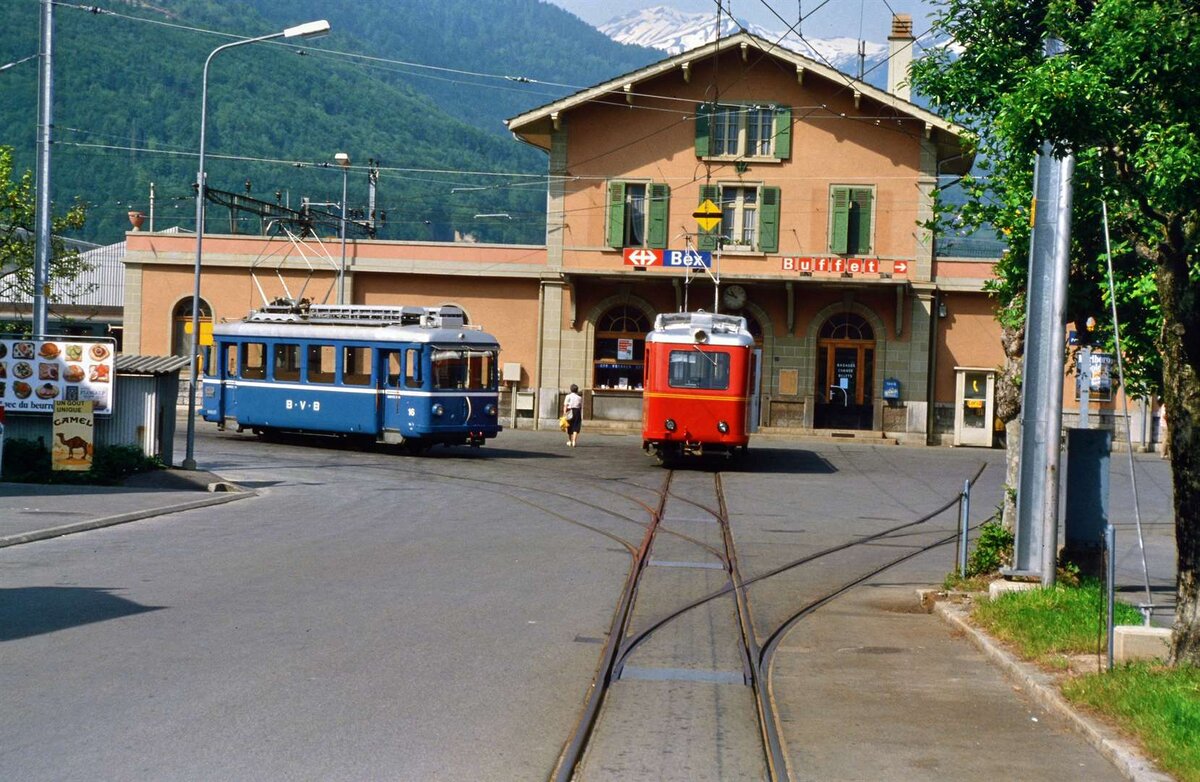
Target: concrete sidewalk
30, 512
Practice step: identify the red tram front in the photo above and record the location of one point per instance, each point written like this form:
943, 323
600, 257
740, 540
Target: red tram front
700, 387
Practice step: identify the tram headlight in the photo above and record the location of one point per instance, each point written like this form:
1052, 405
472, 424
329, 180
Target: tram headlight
670, 424
489, 409
437, 409
723, 427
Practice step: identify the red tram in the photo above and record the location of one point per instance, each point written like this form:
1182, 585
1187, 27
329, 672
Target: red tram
700, 387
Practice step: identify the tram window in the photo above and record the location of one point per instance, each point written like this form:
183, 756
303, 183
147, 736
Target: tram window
320, 363
286, 362
254, 360
698, 369
412, 368
230, 359
392, 360
449, 369
356, 366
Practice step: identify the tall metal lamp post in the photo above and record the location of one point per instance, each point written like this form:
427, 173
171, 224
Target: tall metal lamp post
343, 160
306, 30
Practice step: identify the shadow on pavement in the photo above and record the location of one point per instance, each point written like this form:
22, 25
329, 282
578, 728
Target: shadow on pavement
29, 611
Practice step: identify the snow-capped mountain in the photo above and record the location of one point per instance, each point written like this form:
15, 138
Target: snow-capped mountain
674, 31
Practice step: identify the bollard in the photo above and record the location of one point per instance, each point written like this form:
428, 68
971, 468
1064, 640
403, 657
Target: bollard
1110, 546
964, 512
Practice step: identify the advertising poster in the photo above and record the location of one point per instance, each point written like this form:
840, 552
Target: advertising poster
73, 436
36, 373
624, 349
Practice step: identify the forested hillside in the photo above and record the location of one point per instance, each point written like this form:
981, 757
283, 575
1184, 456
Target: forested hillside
127, 106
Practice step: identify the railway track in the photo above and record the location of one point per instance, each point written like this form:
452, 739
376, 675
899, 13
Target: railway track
683, 689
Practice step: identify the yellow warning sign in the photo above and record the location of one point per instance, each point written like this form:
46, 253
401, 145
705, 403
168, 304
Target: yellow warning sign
708, 215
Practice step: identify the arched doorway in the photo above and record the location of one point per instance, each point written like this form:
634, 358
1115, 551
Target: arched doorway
181, 326
845, 374
620, 348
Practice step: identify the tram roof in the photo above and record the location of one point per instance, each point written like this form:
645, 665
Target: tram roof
466, 335
700, 328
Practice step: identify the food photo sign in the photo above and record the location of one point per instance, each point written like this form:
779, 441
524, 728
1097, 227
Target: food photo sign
35, 373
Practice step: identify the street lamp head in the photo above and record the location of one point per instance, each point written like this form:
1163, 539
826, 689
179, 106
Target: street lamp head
308, 30
342, 159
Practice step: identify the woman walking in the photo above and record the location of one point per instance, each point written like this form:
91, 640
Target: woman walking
573, 412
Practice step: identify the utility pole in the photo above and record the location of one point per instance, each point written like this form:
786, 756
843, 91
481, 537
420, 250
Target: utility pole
1035, 549
41, 260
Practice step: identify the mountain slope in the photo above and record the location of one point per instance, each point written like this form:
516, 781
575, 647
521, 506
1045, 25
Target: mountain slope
127, 107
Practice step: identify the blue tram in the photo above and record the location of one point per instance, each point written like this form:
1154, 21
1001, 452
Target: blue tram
413, 376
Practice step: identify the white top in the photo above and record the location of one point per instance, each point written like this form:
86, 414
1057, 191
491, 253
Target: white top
573, 401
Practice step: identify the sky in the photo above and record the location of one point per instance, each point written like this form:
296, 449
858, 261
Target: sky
868, 19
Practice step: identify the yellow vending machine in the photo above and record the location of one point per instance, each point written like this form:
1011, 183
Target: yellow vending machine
974, 406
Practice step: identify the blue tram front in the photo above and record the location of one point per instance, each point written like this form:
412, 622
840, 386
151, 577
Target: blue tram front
414, 376
701, 385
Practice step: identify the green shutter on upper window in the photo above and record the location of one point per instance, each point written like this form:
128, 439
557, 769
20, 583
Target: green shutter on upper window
703, 123
660, 201
707, 240
783, 132
839, 223
616, 214
861, 198
768, 220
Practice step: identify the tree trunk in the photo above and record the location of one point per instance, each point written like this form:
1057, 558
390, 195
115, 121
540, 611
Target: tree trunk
1008, 410
1181, 395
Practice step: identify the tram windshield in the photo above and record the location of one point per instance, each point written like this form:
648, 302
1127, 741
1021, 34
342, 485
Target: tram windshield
698, 369
462, 368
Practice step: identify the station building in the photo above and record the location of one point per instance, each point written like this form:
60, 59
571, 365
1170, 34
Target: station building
822, 183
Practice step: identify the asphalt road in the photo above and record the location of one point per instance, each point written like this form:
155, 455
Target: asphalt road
375, 616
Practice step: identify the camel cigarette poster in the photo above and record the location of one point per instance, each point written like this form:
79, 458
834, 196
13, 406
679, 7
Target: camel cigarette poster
73, 436
36, 373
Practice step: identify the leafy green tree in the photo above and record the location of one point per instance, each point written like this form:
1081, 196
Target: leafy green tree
17, 231
1122, 99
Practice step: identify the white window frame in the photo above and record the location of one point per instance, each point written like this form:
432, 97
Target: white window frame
719, 139
735, 229
629, 223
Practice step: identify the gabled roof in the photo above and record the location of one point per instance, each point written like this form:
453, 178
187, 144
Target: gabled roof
535, 126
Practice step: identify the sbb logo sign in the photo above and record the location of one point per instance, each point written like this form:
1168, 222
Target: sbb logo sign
642, 257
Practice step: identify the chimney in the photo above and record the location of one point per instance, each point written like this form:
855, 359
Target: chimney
900, 55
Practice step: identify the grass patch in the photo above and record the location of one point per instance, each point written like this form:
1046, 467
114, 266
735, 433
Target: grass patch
1043, 623
1161, 706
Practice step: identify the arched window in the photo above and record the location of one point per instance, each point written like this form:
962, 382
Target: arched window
181, 326
620, 348
846, 325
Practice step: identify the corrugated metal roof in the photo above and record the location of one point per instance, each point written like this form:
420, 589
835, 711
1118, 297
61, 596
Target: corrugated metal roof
149, 365
102, 285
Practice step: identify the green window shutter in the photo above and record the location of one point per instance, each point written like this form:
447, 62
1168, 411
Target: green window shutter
861, 197
616, 214
768, 220
783, 132
707, 240
703, 123
839, 223
660, 201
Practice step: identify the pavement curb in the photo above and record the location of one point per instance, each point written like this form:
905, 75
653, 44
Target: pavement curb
1121, 753
224, 493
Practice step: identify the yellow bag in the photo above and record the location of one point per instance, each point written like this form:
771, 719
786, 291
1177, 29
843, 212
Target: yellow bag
563, 423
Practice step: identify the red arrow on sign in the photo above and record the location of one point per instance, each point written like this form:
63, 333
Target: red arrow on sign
900, 267
642, 257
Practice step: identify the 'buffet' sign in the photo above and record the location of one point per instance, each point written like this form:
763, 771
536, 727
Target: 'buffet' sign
36, 372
